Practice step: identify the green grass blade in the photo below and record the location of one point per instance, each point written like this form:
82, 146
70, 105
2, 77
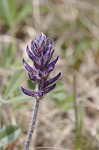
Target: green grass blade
9, 134
26, 9
14, 83
6, 12
18, 99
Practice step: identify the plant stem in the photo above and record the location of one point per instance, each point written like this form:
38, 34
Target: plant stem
32, 125
78, 118
1, 117
75, 110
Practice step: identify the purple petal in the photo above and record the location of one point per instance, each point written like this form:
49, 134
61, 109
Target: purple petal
49, 58
37, 66
47, 54
54, 62
41, 39
28, 68
46, 57
33, 47
31, 71
40, 93
48, 51
51, 55
49, 69
32, 77
51, 65
50, 88
52, 80
35, 38
32, 57
28, 92
49, 44
41, 50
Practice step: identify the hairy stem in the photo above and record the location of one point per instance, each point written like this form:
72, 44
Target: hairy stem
32, 125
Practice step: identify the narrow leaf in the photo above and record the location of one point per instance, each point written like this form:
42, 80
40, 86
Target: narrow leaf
14, 83
26, 9
9, 134
18, 99
5, 6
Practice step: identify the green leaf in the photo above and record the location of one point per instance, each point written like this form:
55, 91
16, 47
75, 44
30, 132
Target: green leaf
9, 134
9, 55
64, 104
6, 12
14, 83
59, 89
25, 10
60, 97
82, 46
13, 8
31, 85
18, 99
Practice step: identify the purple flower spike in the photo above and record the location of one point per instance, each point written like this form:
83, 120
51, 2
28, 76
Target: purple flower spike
41, 54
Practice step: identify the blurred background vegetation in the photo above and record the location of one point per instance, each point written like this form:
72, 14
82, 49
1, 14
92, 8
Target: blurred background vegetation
69, 116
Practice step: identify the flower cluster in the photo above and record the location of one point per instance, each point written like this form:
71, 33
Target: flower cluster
41, 55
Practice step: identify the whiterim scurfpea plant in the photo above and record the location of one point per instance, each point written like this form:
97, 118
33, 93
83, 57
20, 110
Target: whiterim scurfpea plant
41, 55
